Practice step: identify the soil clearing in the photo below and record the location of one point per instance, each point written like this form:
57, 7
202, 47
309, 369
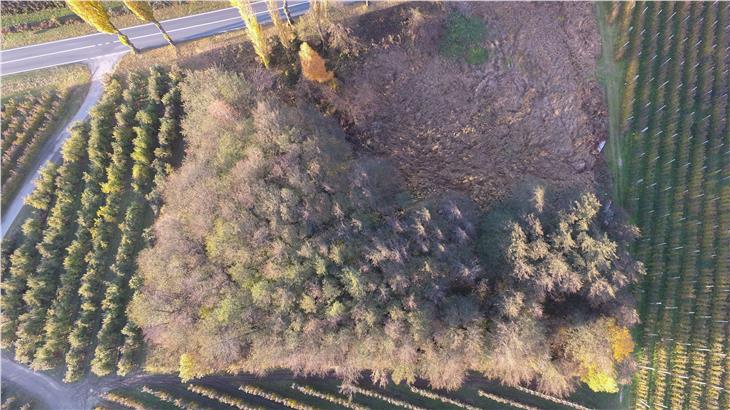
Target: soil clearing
534, 109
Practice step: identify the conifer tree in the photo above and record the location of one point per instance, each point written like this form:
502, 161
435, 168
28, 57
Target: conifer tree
42, 196
143, 11
23, 262
43, 282
94, 14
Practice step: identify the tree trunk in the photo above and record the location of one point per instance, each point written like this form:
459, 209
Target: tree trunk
287, 14
125, 40
164, 34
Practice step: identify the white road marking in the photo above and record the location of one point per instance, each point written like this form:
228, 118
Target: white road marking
74, 61
138, 37
127, 28
48, 54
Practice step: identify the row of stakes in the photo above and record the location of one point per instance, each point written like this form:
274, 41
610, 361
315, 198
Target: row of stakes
714, 199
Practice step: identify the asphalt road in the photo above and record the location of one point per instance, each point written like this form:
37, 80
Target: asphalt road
94, 46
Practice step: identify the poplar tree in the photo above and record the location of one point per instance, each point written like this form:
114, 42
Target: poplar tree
287, 14
143, 11
94, 14
284, 31
318, 9
253, 28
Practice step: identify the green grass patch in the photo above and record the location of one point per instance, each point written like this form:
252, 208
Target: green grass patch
611, 76
463, 38
35, 17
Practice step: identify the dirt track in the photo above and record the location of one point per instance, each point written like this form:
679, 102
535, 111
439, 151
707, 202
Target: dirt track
52, 149
86, 393
53, 394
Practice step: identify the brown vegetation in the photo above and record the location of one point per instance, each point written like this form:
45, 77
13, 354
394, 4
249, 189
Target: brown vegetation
533, 109
282, 245
278, 247
313, 65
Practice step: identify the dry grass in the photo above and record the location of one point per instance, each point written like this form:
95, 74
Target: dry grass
197, 54
233, 50
36, 82
533, 110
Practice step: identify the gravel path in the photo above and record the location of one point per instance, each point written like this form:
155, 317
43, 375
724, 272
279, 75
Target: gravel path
53, 394
86, 393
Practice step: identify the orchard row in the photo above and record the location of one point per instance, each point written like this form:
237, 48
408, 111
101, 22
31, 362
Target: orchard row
28, 122
675, 118
214, 394
67, 284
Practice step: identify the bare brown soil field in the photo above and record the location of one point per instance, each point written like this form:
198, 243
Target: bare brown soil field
534, 109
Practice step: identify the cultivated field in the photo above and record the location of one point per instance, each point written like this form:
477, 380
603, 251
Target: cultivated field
676, 165
67, 284
281, 391
34, 107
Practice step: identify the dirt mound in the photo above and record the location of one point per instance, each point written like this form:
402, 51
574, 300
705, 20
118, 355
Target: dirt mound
533, 109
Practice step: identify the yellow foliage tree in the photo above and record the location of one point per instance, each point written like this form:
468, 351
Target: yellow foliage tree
313, 66
143, 11
94, 14
253, 28
597, 348
188, 367
320, 8
600, 381
621, 342
285, 7
283, 30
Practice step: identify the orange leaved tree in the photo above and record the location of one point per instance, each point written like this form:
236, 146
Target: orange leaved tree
313, 65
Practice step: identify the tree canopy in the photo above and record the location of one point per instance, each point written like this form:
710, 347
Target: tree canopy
278, 246
562, 304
